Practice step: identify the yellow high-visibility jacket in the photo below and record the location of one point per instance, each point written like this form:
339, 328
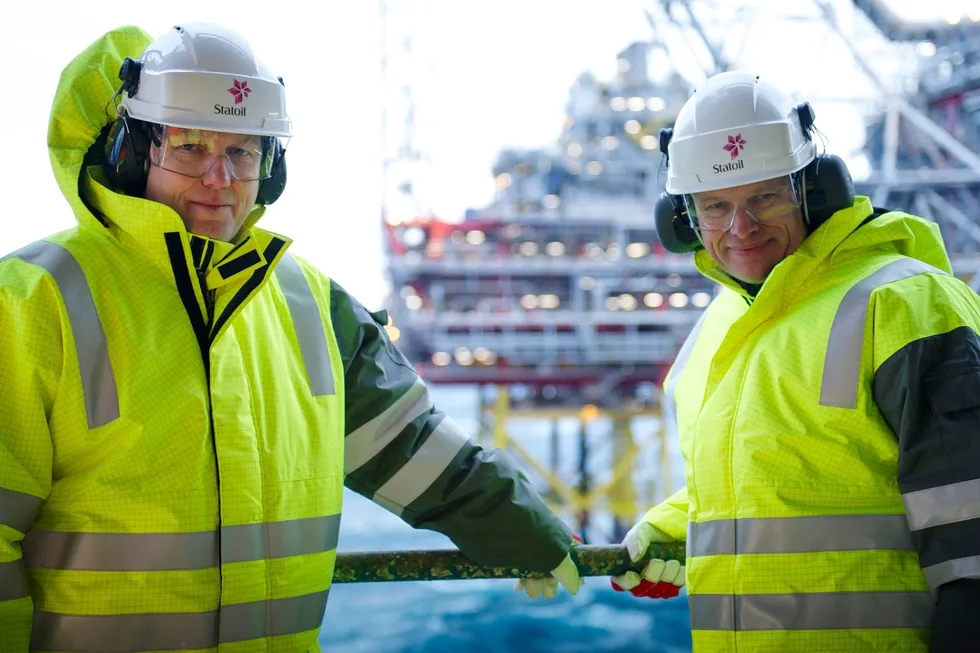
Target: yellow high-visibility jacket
828, 425
179, 416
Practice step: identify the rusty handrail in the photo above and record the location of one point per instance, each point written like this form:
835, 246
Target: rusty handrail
450, 564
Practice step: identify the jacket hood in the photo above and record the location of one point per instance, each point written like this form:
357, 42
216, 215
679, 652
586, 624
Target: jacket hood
80, 113
847, 234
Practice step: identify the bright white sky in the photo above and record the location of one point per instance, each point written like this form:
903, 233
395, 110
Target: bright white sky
495, 74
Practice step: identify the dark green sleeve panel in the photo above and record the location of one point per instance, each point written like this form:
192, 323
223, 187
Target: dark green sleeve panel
409, 457
929, 392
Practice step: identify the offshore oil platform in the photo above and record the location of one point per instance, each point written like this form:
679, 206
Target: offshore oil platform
558, 300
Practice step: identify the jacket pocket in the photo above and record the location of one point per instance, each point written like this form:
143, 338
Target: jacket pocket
955, 404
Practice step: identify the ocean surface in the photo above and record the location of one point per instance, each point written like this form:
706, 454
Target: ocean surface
485, 615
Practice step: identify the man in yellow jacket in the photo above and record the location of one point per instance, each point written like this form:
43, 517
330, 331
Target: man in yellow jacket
827, 402
182, 400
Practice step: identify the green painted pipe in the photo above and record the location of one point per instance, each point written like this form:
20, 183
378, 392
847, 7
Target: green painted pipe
392, 566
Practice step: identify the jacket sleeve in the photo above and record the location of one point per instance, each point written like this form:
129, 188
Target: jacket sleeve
412, 459
30, 355
670, 515
929, 393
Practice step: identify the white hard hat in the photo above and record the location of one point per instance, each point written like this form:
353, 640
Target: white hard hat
737, 129
205, 76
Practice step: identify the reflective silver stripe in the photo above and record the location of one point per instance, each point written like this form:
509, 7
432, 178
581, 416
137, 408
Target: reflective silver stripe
180, 551
680, 362
121, 551
279, 539
18, 510
271, 618
946, 504
308, 324
367, 441
842, 366
124, 633
951, 570
815, 611
98, 379
13, 581
423, 468
799, 534
128, 633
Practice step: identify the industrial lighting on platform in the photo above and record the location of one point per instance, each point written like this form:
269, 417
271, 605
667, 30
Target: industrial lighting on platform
481, 354
530, 302
548, 301
656, 104
612, 303
617, 104
503, 181
674, 280
555, 248
594, 252
612, 252
653, 300
632, 127
678, 300
413, 237
594, 168
413, 302
463, 356
637, 250
926, 49
636, 104
393, 333
574, 150
551, 202
586, 283
627, 302
529, 248
953, 19
588, 413
610, 142
701, 299
441, 358
649, 142
513, 231
476, 237
458, 237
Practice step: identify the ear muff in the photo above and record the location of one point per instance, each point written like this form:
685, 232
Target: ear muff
127, 155
827, 188
673, 225
271, 188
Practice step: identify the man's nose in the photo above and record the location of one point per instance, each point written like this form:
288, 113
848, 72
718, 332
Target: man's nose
219, 174
743, 224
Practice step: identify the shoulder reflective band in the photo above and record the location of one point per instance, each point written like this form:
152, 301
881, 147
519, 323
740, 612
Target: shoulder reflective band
98, 380
842, 366
308, 324
813, 611
680, 362
812, 534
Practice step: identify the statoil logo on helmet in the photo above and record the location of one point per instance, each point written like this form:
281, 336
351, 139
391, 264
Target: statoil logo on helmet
239, 91
735, 145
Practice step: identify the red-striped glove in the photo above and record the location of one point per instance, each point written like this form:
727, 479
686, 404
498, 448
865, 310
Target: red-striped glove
660, 579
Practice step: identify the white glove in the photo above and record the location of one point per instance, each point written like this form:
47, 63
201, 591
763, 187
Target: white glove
566, 573
660, 579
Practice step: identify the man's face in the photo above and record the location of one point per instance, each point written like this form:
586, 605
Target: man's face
214, 204
751, 248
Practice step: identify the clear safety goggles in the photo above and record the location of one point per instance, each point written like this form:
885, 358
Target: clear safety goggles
193, 152
711, 212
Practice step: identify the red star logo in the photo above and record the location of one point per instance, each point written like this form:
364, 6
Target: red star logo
735, 145
240, 90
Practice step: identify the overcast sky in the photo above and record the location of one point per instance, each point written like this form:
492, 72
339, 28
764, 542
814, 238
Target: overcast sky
488, 75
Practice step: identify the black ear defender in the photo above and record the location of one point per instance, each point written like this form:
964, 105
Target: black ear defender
825, 183
127, 146
271, 188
